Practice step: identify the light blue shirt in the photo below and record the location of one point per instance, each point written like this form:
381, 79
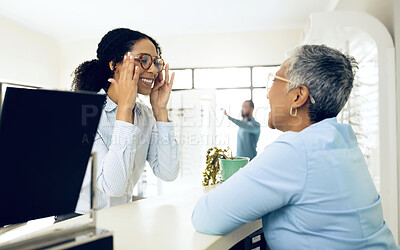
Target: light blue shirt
122, 150
312, 190
247, 137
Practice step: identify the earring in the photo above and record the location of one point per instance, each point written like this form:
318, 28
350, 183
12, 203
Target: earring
294, 114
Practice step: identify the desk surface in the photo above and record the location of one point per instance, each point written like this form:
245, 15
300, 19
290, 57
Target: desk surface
162, 222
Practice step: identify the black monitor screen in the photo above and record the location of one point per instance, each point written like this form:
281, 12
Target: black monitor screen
46, 139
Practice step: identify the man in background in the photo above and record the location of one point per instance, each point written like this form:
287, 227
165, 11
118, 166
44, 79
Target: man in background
249, 131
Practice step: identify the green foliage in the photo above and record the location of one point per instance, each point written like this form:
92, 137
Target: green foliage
211, 173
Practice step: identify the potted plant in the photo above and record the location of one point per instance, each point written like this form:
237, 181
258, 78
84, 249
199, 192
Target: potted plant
220, 167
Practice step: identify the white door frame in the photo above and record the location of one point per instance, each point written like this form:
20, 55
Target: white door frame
388, 142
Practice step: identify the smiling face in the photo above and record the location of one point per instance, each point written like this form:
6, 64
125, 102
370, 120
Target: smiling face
279, 102
146, 77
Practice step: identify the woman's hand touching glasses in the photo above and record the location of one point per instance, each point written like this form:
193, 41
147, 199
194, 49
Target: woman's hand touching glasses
160, 94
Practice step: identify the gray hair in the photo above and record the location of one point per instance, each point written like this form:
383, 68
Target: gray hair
327, 73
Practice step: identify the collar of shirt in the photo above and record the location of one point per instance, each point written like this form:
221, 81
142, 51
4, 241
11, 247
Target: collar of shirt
250, 119
111, 106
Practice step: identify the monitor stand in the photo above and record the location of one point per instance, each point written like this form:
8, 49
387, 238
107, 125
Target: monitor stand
76, 236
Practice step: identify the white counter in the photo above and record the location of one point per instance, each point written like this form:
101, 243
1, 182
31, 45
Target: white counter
162, 222
165, 223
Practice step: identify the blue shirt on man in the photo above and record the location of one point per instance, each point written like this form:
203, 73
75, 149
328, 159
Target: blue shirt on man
247, 137
312, 190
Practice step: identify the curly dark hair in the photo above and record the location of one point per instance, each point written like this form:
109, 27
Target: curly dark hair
93, 75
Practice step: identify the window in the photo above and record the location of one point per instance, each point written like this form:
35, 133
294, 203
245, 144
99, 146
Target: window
222, 78
196, 106
260, 75
182, 79
230, 100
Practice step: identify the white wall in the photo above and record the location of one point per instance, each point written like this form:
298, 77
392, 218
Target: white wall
380, 9
27, 57
230, 49
72, 54
30, 57
207, 50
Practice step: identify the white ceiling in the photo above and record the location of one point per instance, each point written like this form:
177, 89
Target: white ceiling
86, 19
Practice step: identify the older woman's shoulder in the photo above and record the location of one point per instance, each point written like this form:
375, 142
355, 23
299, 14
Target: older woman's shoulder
327, 134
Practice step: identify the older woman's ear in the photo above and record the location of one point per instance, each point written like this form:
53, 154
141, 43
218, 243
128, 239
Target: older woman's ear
300, 96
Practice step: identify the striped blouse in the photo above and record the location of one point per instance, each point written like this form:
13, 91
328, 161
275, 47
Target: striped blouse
122, 149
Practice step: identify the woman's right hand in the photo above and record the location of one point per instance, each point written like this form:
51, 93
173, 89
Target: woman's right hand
126, 88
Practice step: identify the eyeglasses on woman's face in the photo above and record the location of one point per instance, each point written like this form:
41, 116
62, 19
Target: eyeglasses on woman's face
146, 60
271, 79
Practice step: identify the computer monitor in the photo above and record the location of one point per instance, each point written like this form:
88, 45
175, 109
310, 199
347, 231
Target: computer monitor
46, 138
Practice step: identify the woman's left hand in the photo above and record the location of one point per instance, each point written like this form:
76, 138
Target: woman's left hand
160, 93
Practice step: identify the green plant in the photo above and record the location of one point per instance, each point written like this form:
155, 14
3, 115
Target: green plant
211, 172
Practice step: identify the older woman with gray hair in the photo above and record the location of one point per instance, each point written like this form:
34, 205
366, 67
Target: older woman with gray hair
311, 186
